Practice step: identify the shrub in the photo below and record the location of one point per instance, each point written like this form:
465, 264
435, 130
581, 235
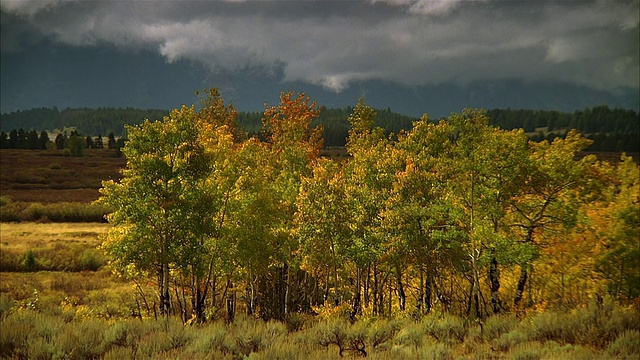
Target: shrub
383, 331
626, 346
526, 351
448, 328
29, 261
497, 325
5, 200
332, 332
294, 321
509, 340
14, 334
91, 260
55, 166
122, 334
411, 335
6, 304
211, 338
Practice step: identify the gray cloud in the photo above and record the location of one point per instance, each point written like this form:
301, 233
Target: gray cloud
335, 43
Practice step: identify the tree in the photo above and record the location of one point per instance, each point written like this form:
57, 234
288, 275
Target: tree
171, 204
555, 186
111, 141
76, 144
419, 218
60, 140
98, 142
620, 261
294, 147
32, 142
368, 179
43, 140
4, 140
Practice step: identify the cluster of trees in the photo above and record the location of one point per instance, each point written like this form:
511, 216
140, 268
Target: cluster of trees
20, 139
612, 130
457, 216
75, 142
88, 121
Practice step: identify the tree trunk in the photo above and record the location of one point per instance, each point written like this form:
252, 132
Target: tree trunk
470, 298
326, 288
376, 296
521, 284
356, 301
366, 287
495, 285
287, 289
428, 293
231, 302
420, 292
165, 299
402, 297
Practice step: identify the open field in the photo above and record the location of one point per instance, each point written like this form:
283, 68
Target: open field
49, 176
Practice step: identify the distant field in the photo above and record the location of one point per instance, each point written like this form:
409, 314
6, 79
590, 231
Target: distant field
49, 176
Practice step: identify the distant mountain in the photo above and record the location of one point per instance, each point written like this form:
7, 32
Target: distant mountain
103, 76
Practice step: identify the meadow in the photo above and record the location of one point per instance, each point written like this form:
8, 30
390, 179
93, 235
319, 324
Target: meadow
60, 299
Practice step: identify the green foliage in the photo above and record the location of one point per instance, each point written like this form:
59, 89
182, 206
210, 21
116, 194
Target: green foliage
626, 346
29, 261
54, 212
76, 145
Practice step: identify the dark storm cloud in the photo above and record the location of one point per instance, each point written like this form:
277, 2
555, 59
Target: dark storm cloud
336, 43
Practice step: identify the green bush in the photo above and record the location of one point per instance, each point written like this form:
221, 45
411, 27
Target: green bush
90, 259
526, 351
412, 335
29, 262
5, 200
509, 340
497, 325
6, 305
383, 331
14, 336
55, 212
626, 346
447, 328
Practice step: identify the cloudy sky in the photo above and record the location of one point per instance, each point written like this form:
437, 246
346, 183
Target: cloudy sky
410, 55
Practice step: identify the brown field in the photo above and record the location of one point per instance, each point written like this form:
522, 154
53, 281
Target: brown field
50, 176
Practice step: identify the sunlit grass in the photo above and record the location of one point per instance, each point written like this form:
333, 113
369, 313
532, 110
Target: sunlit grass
56, 247
94, 314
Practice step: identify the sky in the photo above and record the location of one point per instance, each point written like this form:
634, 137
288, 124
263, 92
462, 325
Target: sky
412, 56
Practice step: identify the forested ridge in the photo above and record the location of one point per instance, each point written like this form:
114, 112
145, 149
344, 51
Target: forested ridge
611, 129
457, 217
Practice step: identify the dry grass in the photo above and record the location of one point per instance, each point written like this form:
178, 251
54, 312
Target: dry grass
49, 176
58, 247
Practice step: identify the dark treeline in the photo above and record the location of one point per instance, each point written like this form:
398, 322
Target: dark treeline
100, 121
74, 142
613, 130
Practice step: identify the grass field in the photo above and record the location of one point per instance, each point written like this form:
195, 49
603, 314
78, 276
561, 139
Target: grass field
80, 310
50, 176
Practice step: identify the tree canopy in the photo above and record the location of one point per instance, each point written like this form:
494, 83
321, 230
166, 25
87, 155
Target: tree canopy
437, 216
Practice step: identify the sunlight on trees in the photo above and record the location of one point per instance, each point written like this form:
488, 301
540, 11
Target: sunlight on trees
451, 217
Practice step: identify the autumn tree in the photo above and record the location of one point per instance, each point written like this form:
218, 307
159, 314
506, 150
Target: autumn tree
555, 186
171, 202
620, 261
294, 145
